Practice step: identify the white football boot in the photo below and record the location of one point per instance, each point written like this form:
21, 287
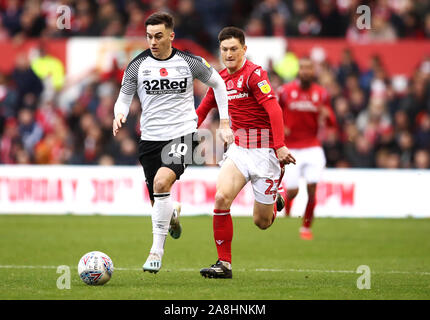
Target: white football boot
175, 228
153, 263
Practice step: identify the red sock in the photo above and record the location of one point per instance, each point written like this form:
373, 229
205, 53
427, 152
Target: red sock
223, 233
309, 212
275, 211
288, 205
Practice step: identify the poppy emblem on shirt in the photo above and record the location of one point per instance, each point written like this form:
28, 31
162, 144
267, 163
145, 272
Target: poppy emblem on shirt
230, 84
163, 72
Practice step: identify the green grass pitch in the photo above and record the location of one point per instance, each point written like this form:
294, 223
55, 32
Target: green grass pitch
271, 264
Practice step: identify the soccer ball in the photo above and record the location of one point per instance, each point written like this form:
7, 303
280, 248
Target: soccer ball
95, 268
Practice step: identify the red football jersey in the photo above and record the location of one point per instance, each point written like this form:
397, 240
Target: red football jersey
301, 111
247, 89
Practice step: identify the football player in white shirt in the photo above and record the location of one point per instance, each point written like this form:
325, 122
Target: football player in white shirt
162, 76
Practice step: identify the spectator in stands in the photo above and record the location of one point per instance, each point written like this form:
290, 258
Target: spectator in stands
8, 99
106, 14
347, 66
4, 34
427, 25
188, 23
374, 120
383, 121
29, 86
106, 160
416, 100
31, 20
128, 152
30, 131
300, 11
136, 23
381, 30
85, 24
332, 22
255, 27
8, 141
367, 76
273, 14
422, 134
359, 152
49, 69
11, 17
422, 159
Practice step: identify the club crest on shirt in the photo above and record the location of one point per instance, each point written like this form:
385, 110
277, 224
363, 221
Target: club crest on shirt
315, 97
182, 70
264, 86
230, 84
240, 82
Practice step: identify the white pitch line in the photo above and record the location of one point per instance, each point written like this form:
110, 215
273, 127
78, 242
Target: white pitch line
236, 270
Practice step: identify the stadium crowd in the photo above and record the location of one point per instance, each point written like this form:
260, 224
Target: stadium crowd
383, 122
392, 19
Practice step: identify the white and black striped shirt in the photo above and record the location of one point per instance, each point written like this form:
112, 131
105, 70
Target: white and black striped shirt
165, 90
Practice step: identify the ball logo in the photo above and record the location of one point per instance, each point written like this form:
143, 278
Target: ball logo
163, 72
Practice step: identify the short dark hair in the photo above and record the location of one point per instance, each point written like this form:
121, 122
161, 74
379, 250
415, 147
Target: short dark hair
160, 18
232, 32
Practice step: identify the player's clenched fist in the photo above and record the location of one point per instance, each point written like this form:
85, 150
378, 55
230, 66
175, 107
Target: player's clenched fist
226, 132
285, 156
117, 123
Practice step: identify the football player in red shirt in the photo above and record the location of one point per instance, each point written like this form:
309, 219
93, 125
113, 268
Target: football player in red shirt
258, 152
306, 106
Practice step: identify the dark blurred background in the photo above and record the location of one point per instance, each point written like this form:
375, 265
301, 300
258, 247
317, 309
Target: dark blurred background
383, 119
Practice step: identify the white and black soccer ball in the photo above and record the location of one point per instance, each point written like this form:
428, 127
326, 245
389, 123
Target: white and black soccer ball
95, 268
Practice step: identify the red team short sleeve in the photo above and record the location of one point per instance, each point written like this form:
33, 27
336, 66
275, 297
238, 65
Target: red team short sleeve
205, 106
259, 84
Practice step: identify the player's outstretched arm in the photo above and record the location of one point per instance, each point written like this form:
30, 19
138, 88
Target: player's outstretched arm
220, 94
206, 105
276, 121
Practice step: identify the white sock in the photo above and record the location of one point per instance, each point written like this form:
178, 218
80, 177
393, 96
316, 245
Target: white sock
161, 215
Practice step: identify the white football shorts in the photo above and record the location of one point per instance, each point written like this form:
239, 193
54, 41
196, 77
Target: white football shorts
310, 163
261, 167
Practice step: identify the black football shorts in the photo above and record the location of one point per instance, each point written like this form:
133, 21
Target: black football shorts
175, 154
